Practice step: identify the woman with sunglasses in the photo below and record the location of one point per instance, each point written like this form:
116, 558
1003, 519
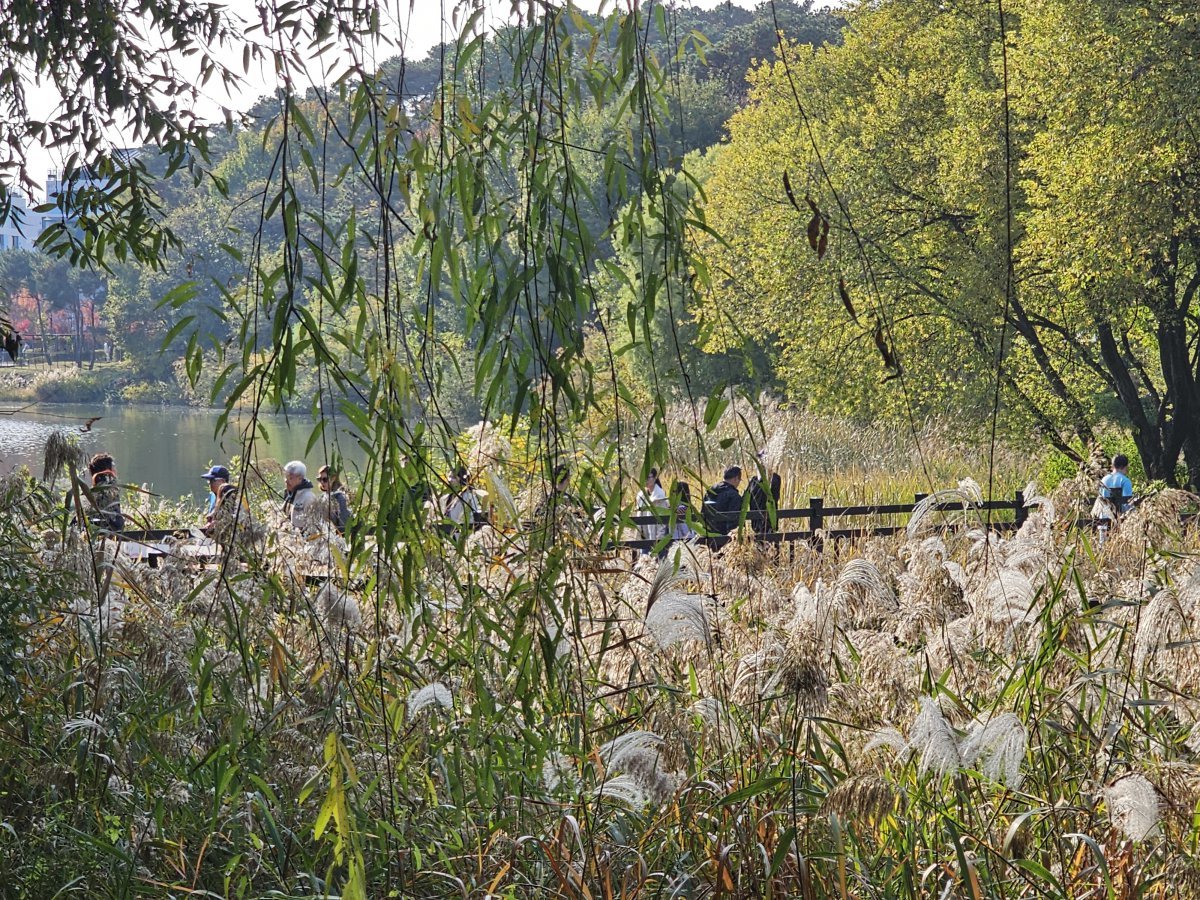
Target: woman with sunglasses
339, 502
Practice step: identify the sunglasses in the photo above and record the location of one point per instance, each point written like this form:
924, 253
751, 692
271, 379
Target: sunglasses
322, 478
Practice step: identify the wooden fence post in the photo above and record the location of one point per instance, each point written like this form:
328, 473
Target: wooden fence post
1021, 512
816, 520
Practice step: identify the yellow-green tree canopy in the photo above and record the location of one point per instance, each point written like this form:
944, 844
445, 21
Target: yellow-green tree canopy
934, 176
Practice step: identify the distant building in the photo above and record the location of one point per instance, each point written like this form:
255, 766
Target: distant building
61, 188
20, 228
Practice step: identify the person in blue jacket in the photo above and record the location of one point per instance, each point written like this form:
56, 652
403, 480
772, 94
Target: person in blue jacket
1115, 487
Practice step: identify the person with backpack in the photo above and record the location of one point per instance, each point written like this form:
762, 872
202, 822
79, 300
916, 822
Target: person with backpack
1115, 487
105, 494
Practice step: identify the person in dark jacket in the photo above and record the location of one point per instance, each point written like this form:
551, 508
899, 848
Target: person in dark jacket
106, 493
764, 502
723, 503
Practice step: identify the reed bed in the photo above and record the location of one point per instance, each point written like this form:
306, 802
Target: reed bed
517, 713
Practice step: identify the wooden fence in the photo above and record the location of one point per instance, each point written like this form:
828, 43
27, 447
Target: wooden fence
817, 514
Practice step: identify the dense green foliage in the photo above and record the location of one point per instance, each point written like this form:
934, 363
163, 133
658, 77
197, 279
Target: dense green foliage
942, 150
533, 232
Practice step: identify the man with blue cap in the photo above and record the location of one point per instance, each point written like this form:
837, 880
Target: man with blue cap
216, 477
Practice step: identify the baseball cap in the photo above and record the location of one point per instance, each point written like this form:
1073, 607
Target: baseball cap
216, 472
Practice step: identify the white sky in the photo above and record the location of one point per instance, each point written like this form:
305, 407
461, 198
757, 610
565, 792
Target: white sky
418, 25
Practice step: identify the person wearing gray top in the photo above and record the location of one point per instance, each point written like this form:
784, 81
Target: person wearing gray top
298, 494
339, 503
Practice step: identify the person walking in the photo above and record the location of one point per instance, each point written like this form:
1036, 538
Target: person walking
298, 494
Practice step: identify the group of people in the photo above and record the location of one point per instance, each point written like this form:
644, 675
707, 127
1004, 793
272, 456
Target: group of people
722, 508
298, 493
721, 512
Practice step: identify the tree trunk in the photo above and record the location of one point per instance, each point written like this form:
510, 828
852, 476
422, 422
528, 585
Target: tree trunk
1147, 435
1179, 420
78, 332
42, 325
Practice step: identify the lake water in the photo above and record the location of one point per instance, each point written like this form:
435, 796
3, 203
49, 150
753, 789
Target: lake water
165, 447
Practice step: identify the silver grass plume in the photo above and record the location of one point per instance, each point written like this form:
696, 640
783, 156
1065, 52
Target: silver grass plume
1035, 499
645, 768
860, 799
1162, 624
888, 739
1133, 807
999, 744
813, 615
638, 756
668, 574
1026, 554
715, 715
1189, 595
339, 609
861, 590
62, 447
887, 670
1008, 597
624, 789
933, 740
754, 670
487, 446
957, 574
968, 493
676, 617
558, 772
615, 752
435, 694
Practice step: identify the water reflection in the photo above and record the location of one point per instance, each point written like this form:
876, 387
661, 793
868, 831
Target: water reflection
165, 447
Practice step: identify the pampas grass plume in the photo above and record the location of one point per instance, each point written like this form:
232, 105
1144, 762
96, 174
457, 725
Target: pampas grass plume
676, 617
933, 740
1133, 807
435, 694
1000, 744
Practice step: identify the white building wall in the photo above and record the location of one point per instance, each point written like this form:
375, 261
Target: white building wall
20, 228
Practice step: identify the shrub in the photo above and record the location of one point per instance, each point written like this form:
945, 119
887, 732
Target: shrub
150, 392
70, 386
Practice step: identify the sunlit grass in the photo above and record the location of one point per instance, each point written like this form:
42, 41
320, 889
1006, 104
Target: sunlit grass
933, 714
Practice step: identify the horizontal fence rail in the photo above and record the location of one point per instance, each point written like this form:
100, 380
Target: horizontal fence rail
150, 545
817, 513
